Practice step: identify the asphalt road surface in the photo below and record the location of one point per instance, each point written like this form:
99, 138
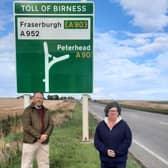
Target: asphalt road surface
150, 134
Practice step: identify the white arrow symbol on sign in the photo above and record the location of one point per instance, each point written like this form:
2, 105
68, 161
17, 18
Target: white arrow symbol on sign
49, 64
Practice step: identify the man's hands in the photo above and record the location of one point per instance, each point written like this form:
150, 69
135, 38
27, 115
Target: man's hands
111, 153
43, 138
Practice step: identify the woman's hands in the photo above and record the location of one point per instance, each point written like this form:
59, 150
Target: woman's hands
111, 153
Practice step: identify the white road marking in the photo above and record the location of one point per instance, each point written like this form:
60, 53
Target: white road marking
151, 152
163, 123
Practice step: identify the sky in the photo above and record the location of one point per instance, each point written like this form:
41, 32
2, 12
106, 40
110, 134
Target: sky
130, 55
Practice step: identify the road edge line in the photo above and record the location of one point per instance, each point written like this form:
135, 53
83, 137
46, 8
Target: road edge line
151, 152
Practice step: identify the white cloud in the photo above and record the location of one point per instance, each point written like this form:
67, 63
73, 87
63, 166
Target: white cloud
149, 15
7, 42
7, 64
7, 55
2, 25
99, 92
162, 61
132, 45
112, 46
159, 44
4, 20
124, 68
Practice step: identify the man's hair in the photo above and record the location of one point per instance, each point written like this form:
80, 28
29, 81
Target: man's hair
111, 105
38, 92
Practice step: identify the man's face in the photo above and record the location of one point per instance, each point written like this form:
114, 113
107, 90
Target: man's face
38, 99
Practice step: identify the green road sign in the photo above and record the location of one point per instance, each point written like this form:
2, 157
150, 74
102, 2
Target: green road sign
54, 46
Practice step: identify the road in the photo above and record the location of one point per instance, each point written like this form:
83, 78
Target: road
150, 134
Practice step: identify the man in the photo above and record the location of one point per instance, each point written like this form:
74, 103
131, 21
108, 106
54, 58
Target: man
37, 127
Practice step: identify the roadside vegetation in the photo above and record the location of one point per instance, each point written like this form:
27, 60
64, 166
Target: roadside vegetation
148, 109
66, 148
67, 151
11, 129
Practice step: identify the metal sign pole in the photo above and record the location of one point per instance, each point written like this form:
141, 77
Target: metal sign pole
26, 100
85, 128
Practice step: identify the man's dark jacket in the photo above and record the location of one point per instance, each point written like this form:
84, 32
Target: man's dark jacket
32, 124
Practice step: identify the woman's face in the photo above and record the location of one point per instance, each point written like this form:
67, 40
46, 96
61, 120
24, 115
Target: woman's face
113, 113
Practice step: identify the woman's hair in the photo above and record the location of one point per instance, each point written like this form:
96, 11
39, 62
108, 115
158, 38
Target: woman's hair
110, 105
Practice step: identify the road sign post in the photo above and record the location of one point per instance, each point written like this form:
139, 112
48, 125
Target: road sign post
85, 125
26, 100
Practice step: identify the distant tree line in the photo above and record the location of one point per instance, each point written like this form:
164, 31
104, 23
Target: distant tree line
52, 97
56, 97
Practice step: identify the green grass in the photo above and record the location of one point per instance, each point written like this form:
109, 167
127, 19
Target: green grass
66, 148
68, 151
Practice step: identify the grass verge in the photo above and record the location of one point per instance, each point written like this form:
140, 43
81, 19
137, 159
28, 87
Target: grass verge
68, 151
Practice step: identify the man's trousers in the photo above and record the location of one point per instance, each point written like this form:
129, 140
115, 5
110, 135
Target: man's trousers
37, 151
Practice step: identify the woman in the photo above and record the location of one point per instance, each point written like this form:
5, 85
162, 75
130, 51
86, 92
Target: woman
113, 138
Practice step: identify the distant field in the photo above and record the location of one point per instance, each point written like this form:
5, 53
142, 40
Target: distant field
12, 106
159, 102
151, 106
